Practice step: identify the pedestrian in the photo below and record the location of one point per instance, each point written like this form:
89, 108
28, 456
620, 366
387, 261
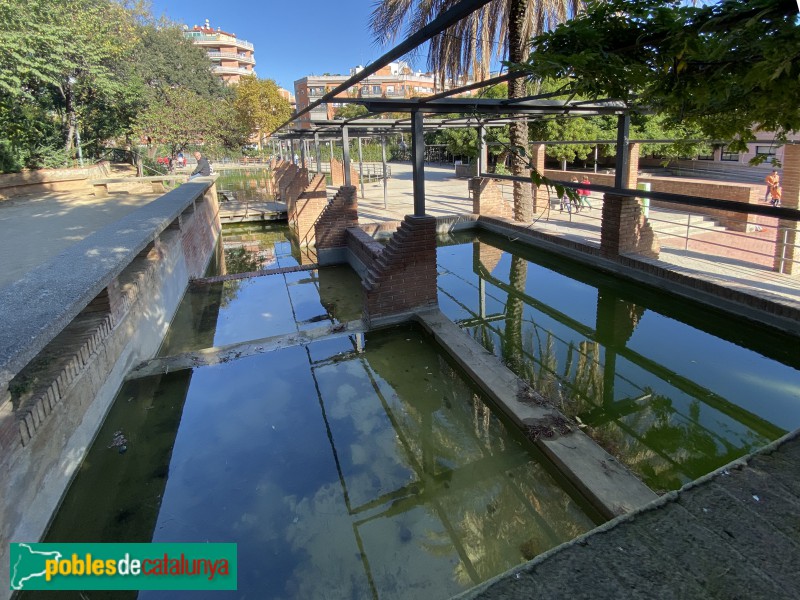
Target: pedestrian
775, 192
584, 192
576, 199
773, 179
181, 160
203, 169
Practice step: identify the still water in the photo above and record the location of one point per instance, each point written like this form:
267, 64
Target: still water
356, 466
673, 389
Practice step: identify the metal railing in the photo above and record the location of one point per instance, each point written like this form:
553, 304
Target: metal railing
241, 57
218, 37
762, 242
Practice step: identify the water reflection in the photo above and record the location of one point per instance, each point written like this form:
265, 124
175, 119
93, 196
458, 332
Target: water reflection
358, 466
670, 400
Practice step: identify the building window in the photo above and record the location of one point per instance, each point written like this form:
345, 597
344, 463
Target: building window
730, 156
765, 151
390, 89
705, 156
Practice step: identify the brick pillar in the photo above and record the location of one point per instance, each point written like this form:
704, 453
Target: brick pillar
341, 213
292, 188
785, 252
285, 176
487, 198
337, 173
306, 210
625, 230
632, 176
403, 277
541, 196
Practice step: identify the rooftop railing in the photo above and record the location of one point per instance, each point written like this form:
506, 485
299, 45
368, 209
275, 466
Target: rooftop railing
218, 37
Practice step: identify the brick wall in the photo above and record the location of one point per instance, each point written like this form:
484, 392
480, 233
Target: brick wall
200, 228
295, 186
541, 196
285, 178
306, 210
739, 192
403, 276
487, 198
785, 251
339, 214
337, 173
364, 247
625, 230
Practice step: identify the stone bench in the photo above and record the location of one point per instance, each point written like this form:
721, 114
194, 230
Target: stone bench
157, 181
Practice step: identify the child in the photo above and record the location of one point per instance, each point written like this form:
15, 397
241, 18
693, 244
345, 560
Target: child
776, 195
583, 193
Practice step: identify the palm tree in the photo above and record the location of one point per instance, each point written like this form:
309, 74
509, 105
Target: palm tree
500, 29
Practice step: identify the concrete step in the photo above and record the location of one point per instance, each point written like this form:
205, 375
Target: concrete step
675, 224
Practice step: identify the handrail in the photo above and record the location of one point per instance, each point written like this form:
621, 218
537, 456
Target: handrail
791, 214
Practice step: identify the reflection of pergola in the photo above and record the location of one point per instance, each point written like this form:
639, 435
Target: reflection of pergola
430, 489
612, 410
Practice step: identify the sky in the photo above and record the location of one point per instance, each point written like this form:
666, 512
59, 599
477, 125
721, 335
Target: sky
292, 39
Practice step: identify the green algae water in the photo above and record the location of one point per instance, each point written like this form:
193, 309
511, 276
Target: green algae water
673, 389
248, 184
353, 467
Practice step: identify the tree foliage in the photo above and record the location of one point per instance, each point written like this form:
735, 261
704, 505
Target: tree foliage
260, 106
724, 67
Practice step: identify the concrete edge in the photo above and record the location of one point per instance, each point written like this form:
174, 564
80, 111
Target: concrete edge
45, 300
669, 281
667, 498
222, 354
604, 481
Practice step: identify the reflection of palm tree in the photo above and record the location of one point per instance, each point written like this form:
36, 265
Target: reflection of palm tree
512, 342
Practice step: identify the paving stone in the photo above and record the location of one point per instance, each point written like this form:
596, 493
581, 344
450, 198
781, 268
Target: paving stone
739, 525
781, 468
722, 570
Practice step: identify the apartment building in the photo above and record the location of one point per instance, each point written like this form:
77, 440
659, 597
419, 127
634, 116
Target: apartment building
395, 80
231, 57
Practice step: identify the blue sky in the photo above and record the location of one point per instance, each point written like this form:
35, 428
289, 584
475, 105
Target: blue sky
291, 39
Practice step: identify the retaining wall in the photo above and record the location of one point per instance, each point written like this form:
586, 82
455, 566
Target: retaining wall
72, 329
50, 180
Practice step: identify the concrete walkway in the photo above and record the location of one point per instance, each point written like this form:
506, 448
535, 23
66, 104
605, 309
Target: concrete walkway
35, 228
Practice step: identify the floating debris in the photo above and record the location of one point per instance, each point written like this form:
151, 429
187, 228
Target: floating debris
119, 441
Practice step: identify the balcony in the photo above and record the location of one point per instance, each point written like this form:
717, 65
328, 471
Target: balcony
232, 71
216, 39
371, 94
242, 58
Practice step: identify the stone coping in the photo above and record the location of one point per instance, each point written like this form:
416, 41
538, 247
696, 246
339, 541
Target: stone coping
46, 299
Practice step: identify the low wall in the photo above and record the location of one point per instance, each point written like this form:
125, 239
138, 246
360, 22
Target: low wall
50, 180
72, 329
738, 192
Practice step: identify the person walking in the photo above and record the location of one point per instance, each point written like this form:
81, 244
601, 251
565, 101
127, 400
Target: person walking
584, 192
203, 169
773, 180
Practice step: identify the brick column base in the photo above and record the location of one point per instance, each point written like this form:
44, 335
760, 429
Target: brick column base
625, 229
785, 251
342, 212
487, 198
541, 195
403, 277
304, 212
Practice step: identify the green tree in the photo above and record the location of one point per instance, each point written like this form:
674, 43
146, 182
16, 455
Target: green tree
178, 119
260, 106
466, 49
726, 67
350, 111
167, 59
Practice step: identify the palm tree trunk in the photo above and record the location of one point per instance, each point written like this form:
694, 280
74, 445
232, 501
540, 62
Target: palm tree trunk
517, 52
